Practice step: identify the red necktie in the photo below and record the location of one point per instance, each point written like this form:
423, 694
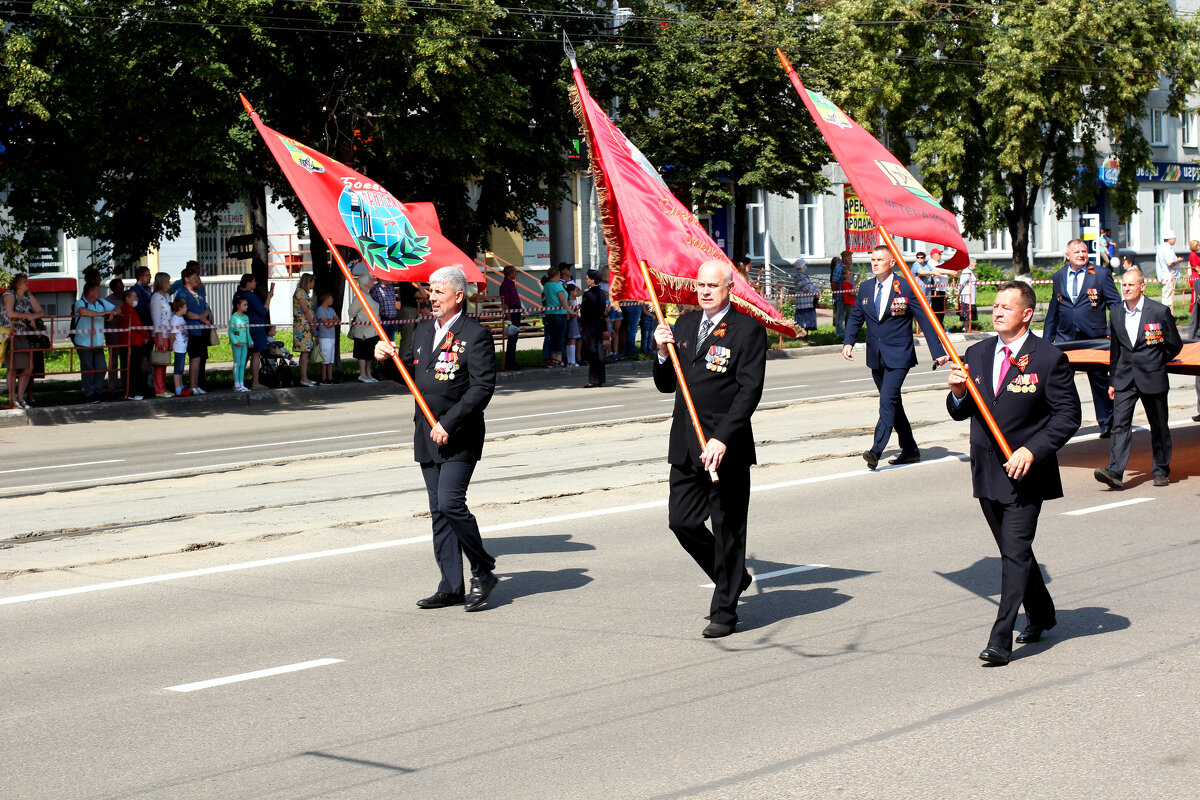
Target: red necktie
1003, 372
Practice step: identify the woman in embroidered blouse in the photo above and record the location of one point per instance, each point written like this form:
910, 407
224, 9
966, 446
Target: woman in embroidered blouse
302, 325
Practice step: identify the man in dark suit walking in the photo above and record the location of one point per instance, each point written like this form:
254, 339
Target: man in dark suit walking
724, 356
1030, 389
1143, 339
887, 306
1082, 297
454, 368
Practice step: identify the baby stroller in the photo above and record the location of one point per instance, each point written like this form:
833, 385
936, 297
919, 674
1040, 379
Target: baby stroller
275, 366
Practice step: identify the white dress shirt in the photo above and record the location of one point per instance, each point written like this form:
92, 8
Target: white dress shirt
998, 359
439, 330
884, 293
1075, 282
715, 319
1133, 319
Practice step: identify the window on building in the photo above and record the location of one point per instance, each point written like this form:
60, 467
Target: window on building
1160, 213
998, 241
1191, 216
754, 230
1158, 134
1125, 235
809, 244
1187, 133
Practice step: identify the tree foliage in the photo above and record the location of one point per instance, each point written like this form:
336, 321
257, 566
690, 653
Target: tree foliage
987, 98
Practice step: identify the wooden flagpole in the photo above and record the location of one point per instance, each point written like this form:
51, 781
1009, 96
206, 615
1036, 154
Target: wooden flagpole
412, 386
972, 389
683, 387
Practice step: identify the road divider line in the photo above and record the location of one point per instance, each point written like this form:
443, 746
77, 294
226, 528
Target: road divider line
1081, 511
63, 466
281, 444
781, 388
363, 548
249, 676
553, 413
775, 574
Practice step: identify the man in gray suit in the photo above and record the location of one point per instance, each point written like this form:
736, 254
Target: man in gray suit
1142, 341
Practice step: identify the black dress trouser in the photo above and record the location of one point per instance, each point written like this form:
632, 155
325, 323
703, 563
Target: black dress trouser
455, 531
1013, 527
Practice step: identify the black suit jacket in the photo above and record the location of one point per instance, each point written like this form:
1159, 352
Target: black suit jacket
724, 400
1139, 363
591, 311
457, 404
1086, 318
890, 340
1042, 420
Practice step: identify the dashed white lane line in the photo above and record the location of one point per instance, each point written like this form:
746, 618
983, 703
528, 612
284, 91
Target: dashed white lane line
553, 413
281, 444
249, 676
1081, 511
62, 466
781, 388
775, 574
363, 548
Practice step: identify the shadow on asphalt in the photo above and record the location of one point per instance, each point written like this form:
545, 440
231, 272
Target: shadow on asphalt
524, 545
1073, 623
767, 603
518, 585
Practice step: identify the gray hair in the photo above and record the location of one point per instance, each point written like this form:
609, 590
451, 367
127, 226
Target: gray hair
726, 269
452, 277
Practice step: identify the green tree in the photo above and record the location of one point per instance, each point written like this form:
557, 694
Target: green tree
993, 101
697, 85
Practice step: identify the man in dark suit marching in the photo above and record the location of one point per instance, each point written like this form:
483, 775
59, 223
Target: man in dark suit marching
887, 305
1030, 389
454, 368
1144, 338
1081, 298
723, 354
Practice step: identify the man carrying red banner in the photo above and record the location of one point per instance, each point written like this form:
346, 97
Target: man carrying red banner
723, 354
887, 306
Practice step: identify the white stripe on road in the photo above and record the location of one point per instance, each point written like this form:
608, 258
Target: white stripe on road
249, 676
62, 466
363, 548
552, 413
855, 380
280, 444
781, 388
764, 576
1107, 506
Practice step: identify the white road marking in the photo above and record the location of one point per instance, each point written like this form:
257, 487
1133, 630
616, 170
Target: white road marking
63, 466
764, 576
552, 413
249, 676
855, 380
781, 388
363, 548
1107, 506
293, 441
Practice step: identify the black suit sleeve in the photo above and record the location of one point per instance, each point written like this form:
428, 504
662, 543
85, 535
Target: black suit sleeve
1114, 344
750, 373
1111, 294
1051, 322
1065, 412
857, 319
664, 376
1172, 344
481, 372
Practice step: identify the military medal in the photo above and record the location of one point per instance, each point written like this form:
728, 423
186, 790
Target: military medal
717, 359
899, 306
1153, 333
1093, 297
1024, 383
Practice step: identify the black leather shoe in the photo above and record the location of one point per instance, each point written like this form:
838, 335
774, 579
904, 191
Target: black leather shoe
440, 600
1161, 480
994, 655
1105, 434
716, 630
481, 590
1196, 418
1109, 477
872, 458
906, 458
1033, 632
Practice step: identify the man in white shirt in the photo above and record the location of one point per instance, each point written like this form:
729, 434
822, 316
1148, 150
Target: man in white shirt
1165, 262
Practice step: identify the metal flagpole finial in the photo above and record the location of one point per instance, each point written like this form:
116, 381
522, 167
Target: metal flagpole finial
568, 49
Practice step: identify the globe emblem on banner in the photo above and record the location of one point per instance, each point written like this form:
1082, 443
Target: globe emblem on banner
1110, 171
386, 239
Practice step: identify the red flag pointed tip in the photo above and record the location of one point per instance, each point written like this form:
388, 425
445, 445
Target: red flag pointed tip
787, 65
246, 103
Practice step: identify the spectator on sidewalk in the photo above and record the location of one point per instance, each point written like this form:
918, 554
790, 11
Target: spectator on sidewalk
384, 295
573, 339
302, 324
361, 330
93, 311
510, 307
837, 271
239, 342
592, 324
142, 285
410, 297
132, 339
112, 338
849, 290
1166, 268
806, 296
160, 314
256, 312
18, 310
199, 318
554, 320
648, 324
631, 322
180, 341
1193, 329
966, 295
327, 335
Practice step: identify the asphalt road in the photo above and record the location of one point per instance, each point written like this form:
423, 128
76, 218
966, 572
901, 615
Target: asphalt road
854, 673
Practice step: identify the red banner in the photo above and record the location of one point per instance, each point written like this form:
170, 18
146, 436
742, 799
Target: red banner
643, 221
893, 198
397, 241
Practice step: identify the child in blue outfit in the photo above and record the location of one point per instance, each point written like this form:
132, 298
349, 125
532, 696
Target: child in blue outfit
239, 340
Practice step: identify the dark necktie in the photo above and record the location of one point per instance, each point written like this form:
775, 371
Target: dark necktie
706, 327
879, 299
1075, 285
1003, 371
